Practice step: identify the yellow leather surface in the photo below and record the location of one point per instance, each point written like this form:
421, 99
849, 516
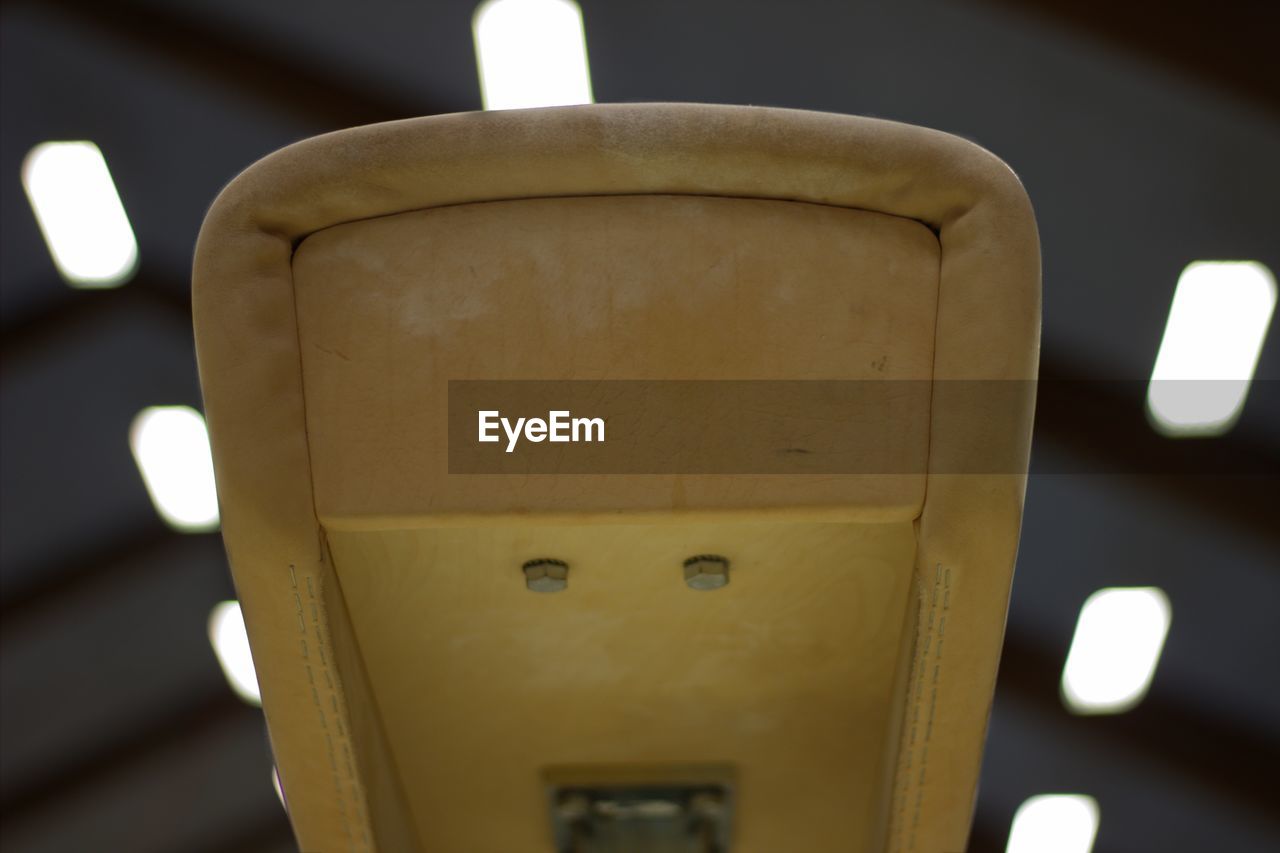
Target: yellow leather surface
628, 667
786, 675
617, 287
332, 744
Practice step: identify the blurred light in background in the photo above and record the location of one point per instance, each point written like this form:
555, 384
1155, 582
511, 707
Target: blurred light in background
1218, 321
80, 213
1116, 646
1054, 823
171, 446
231, 645
531, 53
275, 783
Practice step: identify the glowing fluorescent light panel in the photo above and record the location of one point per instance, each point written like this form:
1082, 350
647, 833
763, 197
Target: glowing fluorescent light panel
1117, 644
171, 447
1218, 321
531, 53
1054, 823
80, 213
279, 788
231, 645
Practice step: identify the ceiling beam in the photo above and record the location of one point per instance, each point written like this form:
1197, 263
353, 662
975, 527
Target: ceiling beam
1169, 730
168, 729
1229, 44
253, 67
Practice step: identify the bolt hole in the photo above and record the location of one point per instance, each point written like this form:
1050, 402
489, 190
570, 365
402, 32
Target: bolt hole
706, 571
546, 575
706, 558
544, 561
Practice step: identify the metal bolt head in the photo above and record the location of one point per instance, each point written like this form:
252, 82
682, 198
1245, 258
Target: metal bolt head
546, 575
706, 571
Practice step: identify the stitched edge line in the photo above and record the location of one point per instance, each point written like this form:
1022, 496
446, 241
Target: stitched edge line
935, 632
331, 693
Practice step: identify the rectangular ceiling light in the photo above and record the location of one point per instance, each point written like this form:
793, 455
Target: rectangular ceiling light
1054, 823
531, 53
171, 446
231, 645
1115, 649
1218, 321
80, 213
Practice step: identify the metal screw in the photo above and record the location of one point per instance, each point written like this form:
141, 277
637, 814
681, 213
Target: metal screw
706, 571
545, 575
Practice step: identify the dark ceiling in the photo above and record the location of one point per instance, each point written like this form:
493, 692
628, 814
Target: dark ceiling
1145, 139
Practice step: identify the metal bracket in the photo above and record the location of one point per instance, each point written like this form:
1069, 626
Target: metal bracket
641, 819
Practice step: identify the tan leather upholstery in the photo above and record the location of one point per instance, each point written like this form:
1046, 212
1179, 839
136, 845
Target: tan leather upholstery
342, 282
